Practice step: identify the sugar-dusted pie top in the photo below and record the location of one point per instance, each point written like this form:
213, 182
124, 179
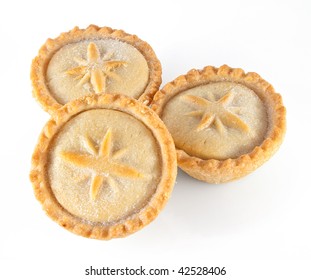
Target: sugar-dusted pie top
104, 165
94, 66
218, 120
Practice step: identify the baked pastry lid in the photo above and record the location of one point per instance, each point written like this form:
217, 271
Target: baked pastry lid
219, 171
40, 63
132, 223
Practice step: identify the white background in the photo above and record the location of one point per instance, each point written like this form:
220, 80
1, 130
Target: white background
258, 227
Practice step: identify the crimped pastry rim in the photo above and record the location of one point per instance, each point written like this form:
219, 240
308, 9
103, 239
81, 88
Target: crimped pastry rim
40, 63
132, 223
219, 171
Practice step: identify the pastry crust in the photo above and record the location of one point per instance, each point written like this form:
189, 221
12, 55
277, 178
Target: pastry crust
130, 224
40, 63
219, 171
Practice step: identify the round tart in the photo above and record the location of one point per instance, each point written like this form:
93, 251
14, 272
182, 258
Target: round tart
104, 166
94, 60
225, 123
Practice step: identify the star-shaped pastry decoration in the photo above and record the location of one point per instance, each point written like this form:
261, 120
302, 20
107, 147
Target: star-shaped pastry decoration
95, 70
216, 113
102, 163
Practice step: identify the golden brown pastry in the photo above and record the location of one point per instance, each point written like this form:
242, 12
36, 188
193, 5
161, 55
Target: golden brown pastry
225, 123
94, 60
104, 166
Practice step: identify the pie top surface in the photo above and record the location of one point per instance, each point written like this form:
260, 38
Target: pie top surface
218, 120
225, 122
94, 66
94, 60
104, 165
